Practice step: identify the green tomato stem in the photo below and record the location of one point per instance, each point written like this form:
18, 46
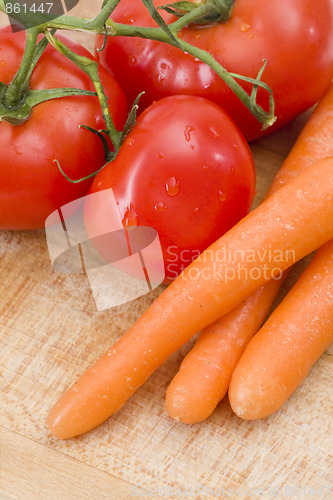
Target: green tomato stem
225, 7
20, 83
164, 33
202, 13
90, 67
266, 118
191, 17
98, 22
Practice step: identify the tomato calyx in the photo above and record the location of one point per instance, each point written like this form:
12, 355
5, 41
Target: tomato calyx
16, 99
213, 11
17, 115
110, 155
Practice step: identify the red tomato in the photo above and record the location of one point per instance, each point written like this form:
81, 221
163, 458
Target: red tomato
295, 36
31, 186
184, 170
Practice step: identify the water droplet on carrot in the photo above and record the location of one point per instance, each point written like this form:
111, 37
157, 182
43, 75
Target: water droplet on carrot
172, 186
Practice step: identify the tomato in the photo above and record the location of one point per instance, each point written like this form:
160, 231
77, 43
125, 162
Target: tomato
294, 36
31, 186
184, 170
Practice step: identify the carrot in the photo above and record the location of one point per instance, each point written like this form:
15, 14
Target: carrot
280, 355
287, 226
205, 373
314, 142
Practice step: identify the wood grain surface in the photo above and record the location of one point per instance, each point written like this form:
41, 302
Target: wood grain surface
51, 332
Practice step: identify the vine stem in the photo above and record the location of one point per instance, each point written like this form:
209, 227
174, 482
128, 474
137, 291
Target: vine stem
19, 85
98, 22
266, 118
90, 67
189, 18
168, 34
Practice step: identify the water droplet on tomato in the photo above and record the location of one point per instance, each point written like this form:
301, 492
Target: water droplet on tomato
187, 133
132, 60
160, 206
221, 195
245, 27
129, 142
3, 63
160, 155
172, 186
131, 217
164, 64
18, 151
214, 132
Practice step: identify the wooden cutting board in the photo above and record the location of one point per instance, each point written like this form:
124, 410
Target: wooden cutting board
51, 332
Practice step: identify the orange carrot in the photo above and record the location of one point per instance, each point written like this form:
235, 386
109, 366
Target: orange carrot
205, 373
290, 224
314, 142
280, 355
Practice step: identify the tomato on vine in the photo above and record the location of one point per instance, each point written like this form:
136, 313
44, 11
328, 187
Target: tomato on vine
31, 185
295, 37
184, 170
